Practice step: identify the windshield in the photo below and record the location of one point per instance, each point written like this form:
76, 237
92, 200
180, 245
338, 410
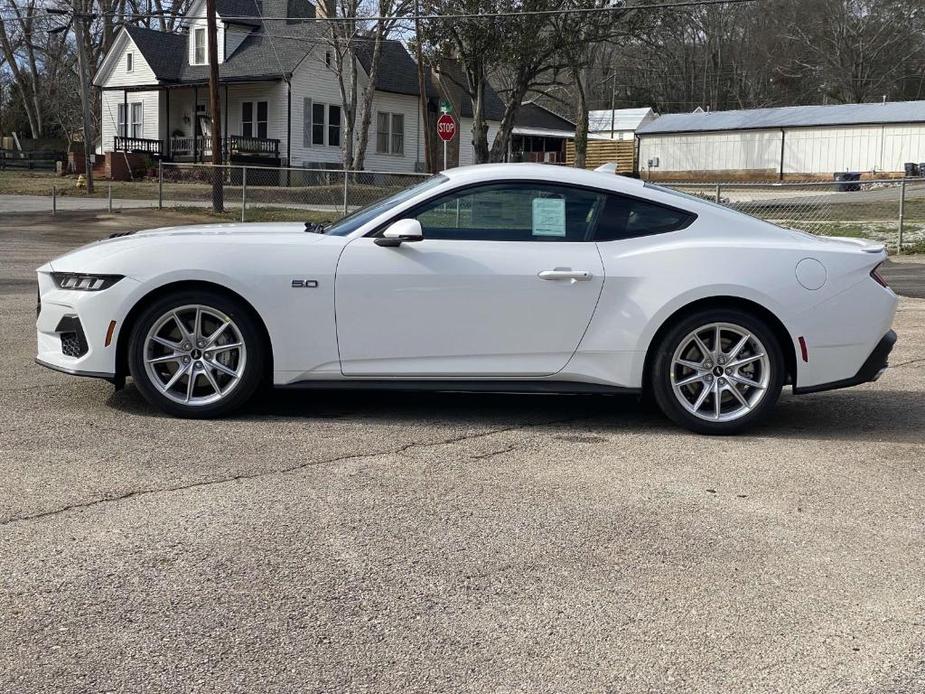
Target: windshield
354, 221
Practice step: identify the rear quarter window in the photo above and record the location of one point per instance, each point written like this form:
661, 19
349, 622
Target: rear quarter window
627, 218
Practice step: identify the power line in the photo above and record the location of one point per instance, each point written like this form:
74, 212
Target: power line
431, 17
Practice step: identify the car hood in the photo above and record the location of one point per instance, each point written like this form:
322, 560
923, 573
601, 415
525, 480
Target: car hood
92, 256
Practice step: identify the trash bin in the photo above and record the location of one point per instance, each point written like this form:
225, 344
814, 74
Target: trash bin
912, 169
847, 181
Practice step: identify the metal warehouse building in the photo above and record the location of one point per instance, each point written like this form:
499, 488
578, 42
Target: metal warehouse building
794, 142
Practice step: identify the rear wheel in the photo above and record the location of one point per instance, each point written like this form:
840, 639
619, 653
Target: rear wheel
196, 354
718, 371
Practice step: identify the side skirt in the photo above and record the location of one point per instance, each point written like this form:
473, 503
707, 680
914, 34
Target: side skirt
452, 386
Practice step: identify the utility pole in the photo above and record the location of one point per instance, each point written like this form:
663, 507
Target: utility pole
428, 159
218, 191
80, 17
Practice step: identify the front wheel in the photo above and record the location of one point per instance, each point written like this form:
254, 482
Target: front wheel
718, 371
196, 354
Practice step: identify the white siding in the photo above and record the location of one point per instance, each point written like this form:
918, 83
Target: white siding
198, 10
151, 121
732, 151
274, 93
113, 73
818, 150
406, 105
858, 148
315, 81
466, 150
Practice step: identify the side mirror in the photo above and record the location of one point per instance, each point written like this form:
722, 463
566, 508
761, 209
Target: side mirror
402, 231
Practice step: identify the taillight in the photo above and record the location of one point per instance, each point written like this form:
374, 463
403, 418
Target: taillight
878, 278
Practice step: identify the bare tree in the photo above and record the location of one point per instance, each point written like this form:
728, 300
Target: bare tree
347, 39
17, 34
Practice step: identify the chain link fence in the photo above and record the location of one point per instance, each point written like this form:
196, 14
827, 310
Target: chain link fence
250, 193
890, 210
259, 193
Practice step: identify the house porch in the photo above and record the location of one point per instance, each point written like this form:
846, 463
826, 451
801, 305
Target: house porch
173, 123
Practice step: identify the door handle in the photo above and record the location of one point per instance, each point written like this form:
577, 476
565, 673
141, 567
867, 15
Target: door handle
562, 273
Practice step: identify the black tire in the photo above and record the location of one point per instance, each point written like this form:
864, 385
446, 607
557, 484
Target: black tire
246, 324
661, 365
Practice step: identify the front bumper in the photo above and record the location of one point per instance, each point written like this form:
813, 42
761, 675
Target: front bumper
72, 326
872, 368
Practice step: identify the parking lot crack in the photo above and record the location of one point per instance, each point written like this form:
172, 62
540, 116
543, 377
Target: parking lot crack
269, 473
907, 363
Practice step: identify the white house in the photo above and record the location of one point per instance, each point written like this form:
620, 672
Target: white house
280, 98
618, 124
787, 142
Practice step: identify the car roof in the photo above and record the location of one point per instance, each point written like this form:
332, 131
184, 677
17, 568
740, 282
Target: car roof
548, 173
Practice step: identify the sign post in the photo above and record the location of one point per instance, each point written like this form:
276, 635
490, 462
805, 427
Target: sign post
446, 130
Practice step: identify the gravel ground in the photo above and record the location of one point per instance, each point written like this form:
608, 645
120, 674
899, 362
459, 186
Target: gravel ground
422, 543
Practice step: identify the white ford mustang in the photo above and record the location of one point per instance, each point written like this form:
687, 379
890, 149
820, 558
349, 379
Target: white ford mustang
505, 277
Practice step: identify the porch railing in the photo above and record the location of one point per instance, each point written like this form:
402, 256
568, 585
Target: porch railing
137, 144
252, 145
235, 144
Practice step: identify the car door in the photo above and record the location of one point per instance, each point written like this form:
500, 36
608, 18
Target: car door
503, 284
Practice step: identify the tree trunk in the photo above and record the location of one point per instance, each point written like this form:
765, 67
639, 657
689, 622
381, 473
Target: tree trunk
581, 117
20, 80
479, 126
89, 138
499, 147
215, 106
366, 105
422, 95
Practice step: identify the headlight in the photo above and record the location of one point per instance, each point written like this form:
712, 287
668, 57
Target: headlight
84, 282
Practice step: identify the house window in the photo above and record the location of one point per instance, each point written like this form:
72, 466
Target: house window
262, 122
199, 46
321, 124
318, 124
254, 119
129, 62
334, 126
134, 127
390, 133
327, 58
137, 120
398, 133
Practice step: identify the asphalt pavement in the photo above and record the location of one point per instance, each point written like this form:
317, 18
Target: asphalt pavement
450, 543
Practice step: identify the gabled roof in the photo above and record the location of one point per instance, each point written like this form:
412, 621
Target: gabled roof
397, 73
532, 115
452, 80
239, 11
260, 55
789, 117
618, 119
264, 56
162, 51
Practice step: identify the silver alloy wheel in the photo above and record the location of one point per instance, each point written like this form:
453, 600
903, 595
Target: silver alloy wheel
195, 355
720, 372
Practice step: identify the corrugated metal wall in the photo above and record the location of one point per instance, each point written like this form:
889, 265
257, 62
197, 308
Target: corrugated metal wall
807, 151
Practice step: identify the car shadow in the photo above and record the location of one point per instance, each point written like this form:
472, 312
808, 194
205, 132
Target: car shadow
849, 415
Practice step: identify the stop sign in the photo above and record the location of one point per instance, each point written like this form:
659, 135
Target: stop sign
446, 127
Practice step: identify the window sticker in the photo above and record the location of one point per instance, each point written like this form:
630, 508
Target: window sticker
549, 216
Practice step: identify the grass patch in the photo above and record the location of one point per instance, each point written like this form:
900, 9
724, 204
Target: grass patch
260, 214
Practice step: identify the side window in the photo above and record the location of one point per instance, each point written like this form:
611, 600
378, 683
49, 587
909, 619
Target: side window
626, 218
512, 212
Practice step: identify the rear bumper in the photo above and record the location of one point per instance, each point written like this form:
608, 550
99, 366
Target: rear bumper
870, 370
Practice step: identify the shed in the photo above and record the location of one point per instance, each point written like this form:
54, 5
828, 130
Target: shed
620, 123
791, 142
